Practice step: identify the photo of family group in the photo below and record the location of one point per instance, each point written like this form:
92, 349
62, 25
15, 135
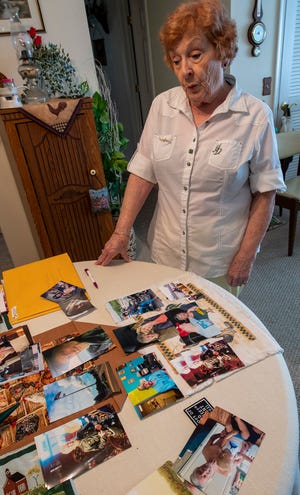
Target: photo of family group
202, 362
188, 321
218, 455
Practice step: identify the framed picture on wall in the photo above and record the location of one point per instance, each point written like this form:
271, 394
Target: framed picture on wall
29, 14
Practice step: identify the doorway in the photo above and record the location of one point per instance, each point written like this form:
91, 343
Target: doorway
119, 40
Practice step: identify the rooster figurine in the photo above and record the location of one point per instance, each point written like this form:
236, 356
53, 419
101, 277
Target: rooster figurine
60, 107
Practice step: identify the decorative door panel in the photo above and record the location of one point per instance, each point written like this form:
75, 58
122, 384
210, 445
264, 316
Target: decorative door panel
56, 176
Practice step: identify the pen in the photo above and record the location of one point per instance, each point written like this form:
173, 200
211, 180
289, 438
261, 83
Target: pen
87, 271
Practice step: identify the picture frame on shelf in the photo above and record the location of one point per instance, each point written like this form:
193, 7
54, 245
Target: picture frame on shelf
29, 12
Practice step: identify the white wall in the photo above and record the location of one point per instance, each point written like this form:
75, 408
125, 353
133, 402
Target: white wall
66, 24
250, 70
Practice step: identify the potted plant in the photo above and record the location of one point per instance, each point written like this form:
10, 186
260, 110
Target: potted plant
112, 143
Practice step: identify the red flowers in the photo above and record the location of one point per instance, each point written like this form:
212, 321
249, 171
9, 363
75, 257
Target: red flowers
32, 32
37, 40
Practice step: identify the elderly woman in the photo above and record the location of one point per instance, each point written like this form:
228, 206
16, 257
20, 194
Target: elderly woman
211, 149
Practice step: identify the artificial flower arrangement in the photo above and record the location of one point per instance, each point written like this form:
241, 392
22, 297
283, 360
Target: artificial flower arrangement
57, 75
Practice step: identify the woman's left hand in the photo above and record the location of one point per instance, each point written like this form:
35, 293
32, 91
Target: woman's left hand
261, 211
239, 270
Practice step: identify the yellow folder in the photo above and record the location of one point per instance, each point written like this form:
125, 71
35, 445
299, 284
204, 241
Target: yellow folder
25, 284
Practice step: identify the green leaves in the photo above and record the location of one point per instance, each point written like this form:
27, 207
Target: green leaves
57, 72
111, 141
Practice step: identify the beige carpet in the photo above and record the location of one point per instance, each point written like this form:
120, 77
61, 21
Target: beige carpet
273, 294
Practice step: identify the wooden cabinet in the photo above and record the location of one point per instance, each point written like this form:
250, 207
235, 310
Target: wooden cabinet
56, 175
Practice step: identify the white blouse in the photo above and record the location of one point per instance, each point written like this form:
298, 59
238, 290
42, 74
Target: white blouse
206, 177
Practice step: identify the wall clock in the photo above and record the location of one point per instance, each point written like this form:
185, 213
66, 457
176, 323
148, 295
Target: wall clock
257, 30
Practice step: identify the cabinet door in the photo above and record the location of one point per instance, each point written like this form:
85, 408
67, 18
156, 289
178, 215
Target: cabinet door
56, 173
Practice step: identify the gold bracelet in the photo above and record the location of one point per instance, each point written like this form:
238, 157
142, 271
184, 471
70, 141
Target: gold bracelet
121, 234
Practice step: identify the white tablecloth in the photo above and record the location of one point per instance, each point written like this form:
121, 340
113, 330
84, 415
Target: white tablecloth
262, 394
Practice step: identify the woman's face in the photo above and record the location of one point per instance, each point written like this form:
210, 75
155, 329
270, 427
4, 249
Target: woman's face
200, 73
146, 328
71, 348
149, 337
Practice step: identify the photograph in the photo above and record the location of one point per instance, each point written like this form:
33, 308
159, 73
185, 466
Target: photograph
74, 352
205, 361
83, 389
30, 424
20, 472
177, 290
18, 338
80, 445
145, 331
27, 362
72, 299
6, 351
29, 13
22, 405
192, 322
148, 385
164, 480
218, 456
134, 305
188, 321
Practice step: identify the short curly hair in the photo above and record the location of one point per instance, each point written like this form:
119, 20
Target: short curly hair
203, 16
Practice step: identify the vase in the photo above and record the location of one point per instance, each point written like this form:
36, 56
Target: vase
27, 68
30, 72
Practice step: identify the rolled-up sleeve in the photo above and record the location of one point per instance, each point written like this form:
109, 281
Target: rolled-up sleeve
142, 167
141, 162
265, 169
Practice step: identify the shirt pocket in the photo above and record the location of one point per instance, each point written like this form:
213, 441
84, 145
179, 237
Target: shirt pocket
163, 146
225, 154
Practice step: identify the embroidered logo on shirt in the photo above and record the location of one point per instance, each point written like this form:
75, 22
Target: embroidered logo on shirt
165, 139
217, 150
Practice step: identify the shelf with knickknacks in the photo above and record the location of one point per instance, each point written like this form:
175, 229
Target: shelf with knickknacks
286, 124
46, 69
112, 143
27, 68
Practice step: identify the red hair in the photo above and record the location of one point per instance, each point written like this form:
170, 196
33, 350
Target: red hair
208, 17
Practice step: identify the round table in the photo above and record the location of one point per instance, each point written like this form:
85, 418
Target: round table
262, 394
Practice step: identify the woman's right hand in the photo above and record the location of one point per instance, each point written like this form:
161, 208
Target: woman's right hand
117, 244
